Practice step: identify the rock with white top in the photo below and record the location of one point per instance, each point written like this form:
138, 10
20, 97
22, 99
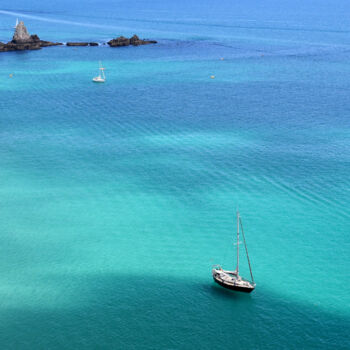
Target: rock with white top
22, 40
21, 34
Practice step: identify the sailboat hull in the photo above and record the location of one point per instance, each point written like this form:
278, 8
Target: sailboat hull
231, 280
233, 287
98, 80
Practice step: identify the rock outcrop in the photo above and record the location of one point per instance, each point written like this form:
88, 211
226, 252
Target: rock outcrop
134, 40
81, 44
120, 41
21, 34
77, 44
22, 40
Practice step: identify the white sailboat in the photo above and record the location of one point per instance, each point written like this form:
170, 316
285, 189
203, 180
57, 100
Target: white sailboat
231, 279
101, 78
16, 23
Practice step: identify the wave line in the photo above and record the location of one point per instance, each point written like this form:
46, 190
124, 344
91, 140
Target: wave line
61, 21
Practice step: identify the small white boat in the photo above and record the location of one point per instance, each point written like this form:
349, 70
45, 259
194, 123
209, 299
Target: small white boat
16, 24
231, 279
101, 78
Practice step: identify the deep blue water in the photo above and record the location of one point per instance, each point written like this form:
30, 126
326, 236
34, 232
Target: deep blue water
116, 199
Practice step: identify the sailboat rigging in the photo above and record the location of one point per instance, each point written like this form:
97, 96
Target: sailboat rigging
231, 279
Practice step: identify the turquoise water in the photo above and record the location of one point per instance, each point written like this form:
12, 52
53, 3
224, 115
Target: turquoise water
116, 199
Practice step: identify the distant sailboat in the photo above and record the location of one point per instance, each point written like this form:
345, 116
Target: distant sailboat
16, 23
231, 279
101, 78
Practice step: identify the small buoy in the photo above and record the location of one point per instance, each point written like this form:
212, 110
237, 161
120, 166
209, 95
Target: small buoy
212, 76
11, 75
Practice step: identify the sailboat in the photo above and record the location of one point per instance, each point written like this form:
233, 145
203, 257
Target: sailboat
231, 279
101, 78
16, 23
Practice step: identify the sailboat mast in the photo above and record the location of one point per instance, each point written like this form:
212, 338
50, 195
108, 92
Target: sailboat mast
237, 242
246, 249
102, 73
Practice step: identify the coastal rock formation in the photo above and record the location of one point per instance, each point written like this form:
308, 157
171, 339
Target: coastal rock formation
81, 44
121, 41
44, 43
22, 40
21, 34
77, 44
134, 40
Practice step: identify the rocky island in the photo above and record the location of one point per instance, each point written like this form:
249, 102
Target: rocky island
117, 42
22, 40
134, 40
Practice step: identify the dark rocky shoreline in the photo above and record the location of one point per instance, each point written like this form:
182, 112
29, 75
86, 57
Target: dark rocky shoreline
23, 41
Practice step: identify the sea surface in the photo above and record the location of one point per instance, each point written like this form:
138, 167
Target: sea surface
116, 199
